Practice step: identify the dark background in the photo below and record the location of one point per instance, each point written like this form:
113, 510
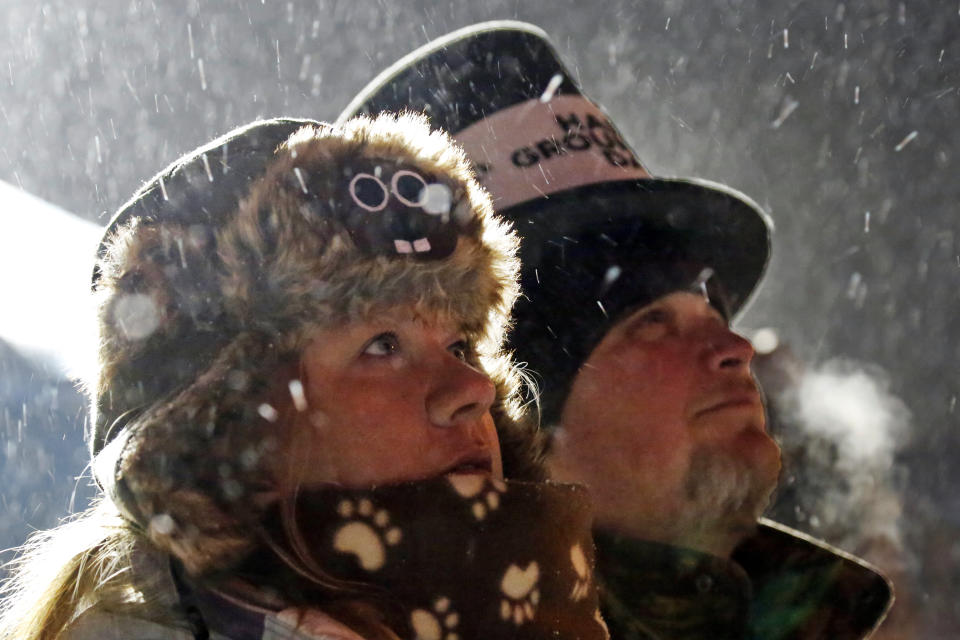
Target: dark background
808, 107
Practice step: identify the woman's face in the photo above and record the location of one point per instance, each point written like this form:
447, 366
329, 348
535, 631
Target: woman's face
391, 399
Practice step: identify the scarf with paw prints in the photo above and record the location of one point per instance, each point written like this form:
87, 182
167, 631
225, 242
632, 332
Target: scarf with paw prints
463, 557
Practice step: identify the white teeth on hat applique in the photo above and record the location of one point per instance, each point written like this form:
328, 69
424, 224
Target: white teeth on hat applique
420, 245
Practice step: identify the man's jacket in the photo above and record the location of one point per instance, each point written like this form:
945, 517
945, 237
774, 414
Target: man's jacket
779, 585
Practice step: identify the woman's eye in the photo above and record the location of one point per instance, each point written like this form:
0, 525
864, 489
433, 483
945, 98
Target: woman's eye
461, 350
384, 344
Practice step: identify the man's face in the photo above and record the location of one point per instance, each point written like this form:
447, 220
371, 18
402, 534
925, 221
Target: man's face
666, 425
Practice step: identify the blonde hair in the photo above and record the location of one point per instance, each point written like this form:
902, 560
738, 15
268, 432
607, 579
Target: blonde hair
84, 562
88, 562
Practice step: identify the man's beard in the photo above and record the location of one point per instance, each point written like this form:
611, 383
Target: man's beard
724, 497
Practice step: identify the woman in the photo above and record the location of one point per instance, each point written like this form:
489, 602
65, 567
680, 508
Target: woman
302, 416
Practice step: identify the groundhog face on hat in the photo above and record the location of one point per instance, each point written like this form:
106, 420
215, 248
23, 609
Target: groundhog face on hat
391, 208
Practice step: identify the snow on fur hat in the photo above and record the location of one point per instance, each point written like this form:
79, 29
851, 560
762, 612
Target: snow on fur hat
210, 277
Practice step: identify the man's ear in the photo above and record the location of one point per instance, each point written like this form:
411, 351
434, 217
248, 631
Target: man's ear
550, 433
556, 452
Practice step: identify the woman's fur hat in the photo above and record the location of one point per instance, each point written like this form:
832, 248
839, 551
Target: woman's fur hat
210, 277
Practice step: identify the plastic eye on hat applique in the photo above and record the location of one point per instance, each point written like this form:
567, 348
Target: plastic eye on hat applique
403, 213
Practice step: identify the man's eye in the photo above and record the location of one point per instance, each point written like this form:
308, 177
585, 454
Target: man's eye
649, 325
653, 316
461, 350
384, 344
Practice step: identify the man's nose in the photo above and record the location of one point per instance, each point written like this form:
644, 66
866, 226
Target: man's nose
460, 396
729, 350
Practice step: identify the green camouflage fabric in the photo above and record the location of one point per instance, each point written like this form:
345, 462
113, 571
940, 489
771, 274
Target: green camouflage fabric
780, 585
652, 591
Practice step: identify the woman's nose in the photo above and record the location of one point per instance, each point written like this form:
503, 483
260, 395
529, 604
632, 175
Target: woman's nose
460, 396
729, 350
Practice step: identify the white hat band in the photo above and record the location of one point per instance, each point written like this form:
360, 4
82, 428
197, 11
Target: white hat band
538, 147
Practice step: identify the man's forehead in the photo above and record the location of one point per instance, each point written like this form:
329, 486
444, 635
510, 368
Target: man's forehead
684, 282
684, 299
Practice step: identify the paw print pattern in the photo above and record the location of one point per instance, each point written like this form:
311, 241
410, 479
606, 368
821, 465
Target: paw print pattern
603, 623
367, 535
581, 586
438, 624
521, 596
470, 486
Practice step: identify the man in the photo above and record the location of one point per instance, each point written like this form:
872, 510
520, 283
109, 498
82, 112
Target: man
631, 282
666, 426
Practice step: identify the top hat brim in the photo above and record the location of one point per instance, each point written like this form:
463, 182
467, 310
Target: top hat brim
631, 224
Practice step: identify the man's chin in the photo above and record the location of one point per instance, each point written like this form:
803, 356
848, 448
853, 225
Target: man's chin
727, 491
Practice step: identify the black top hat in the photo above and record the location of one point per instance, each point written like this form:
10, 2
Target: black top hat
600, 234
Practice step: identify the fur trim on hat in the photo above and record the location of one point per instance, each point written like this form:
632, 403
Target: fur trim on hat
197, 318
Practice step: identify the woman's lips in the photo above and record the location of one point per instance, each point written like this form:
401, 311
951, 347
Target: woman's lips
472, 464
